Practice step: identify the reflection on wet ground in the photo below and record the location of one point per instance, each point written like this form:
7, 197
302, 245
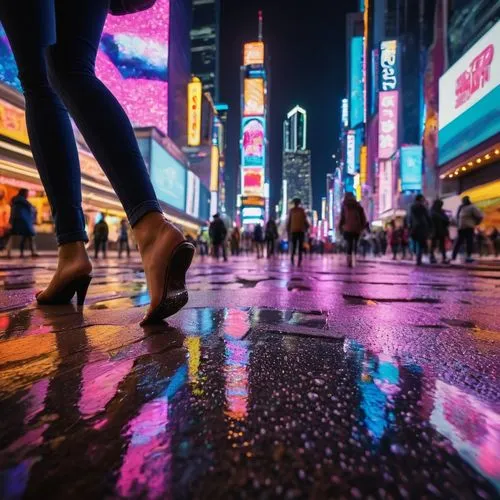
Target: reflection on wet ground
290, 387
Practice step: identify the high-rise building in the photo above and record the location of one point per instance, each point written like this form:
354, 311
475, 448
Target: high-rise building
295, 130
297, 173
205, 44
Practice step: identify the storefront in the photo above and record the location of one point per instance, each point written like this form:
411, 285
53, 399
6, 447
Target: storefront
469, 129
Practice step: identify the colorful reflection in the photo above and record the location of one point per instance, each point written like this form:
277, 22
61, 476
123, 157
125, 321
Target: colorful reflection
236, 373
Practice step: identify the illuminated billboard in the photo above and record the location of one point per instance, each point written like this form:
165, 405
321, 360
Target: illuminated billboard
13, 122
214, 169
411, 159
469, 98
133, 62
194, 112
385, 186
357, 101
193, 194
8, 68
388, 123
253, 97
345, 112
252, 180
351, 152
389, 77
253, 149
253, 53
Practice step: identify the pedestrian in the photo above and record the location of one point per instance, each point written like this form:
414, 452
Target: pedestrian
352, 223
382, 235
62, 38
235, 241
405, 240
468, 217
123, 239
440, 230
395, 237
218, 233
22, 215
297, 225
420, 226
495, 241
5, 226
271, 236
258, 240
101, 233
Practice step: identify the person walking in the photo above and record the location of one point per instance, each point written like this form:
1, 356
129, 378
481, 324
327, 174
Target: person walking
405, 240
235, 241
271, 236
440, 230
297, 226
468, 217
101, 233
123, 243
420, 226
352, 223
55, 46
218, 233
396, 237
5, 226
21, 223
258, 240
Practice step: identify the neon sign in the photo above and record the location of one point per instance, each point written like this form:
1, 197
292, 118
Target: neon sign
388, 65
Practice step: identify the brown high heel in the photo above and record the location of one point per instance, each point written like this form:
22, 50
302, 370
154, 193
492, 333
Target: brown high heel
175, 295
65, 294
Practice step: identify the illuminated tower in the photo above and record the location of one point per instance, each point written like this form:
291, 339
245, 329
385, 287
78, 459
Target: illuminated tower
253, 139
295, 130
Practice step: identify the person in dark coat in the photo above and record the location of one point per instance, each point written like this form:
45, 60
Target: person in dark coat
352, 223
271, 236
420, 226
22, 216
258, 239
123, 243
440, 230
101, 233
218, 233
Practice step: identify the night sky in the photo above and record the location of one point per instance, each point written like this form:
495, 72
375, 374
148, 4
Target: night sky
306, 41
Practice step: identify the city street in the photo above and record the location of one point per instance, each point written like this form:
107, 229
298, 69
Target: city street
273, 382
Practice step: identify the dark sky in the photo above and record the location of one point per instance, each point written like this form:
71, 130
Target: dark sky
306, 41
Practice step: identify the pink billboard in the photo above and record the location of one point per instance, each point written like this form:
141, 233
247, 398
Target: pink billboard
253, 142
388, 123
133, 63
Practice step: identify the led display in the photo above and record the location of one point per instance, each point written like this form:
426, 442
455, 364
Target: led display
253, 142
411, 168
356, 105
253, 97
8, 68
253, 53
253, 181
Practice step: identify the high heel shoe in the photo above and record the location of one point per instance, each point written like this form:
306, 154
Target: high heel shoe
65, 294
175, 295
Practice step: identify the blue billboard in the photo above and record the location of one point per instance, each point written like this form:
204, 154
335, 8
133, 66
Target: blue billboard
411, 168
8, 68
357, 102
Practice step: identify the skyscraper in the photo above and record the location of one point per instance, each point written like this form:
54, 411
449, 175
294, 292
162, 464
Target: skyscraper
296, 157
205, 44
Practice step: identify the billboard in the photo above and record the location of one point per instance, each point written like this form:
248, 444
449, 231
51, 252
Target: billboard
411, 159
345, 112
351, 152
389, 77
357, 100
388, 123
253, 148
214, 169
13, 123
193, 194
253, 97
252, 180
253, 53
168, 177
194, 112
133, 62
8, 68
385, 185
469, 98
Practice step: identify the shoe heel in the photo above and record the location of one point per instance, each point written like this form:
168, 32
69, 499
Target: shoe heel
81, 289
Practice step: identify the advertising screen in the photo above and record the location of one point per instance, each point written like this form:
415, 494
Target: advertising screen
345, 112
253, 53
194, 112
385, 185
357, 94
388, 123
133, 62
12, 122
168, 177
388, 65
469, 98
253, 97
252, 181
351, 152
214, 168
193, 194
253, 142
8, 68
411, 168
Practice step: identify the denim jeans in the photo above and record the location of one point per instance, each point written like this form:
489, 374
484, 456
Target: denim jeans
61, 78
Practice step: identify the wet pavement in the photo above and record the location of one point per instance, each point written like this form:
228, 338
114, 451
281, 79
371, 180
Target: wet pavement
382, 382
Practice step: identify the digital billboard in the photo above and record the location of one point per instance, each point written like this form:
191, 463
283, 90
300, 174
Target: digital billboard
12, 122
253, 142
253, 97
193, 194
252, 180
385, 186
194, 112
345, 112
389, 77
411, 159
356, 105
351, 152
214, 168
168, 177
253, 53
469, 98
133, 62
8, 68
388, 123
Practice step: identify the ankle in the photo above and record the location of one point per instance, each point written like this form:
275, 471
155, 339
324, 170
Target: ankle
73, 251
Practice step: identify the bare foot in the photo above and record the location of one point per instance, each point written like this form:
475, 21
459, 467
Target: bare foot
156, 238
73, 262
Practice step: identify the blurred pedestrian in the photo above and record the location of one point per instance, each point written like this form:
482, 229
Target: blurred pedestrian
420, 226
297, 226
395, 237
235, 241
468, 217
405, 240
22, 216
271, 236
218, 233
352, 223
101, 234
5, 226
123, 239
258, 240
382, 236
495, 241
440, 230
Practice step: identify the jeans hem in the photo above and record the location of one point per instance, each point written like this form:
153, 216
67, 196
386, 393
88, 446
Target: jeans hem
138, 212
62, 239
